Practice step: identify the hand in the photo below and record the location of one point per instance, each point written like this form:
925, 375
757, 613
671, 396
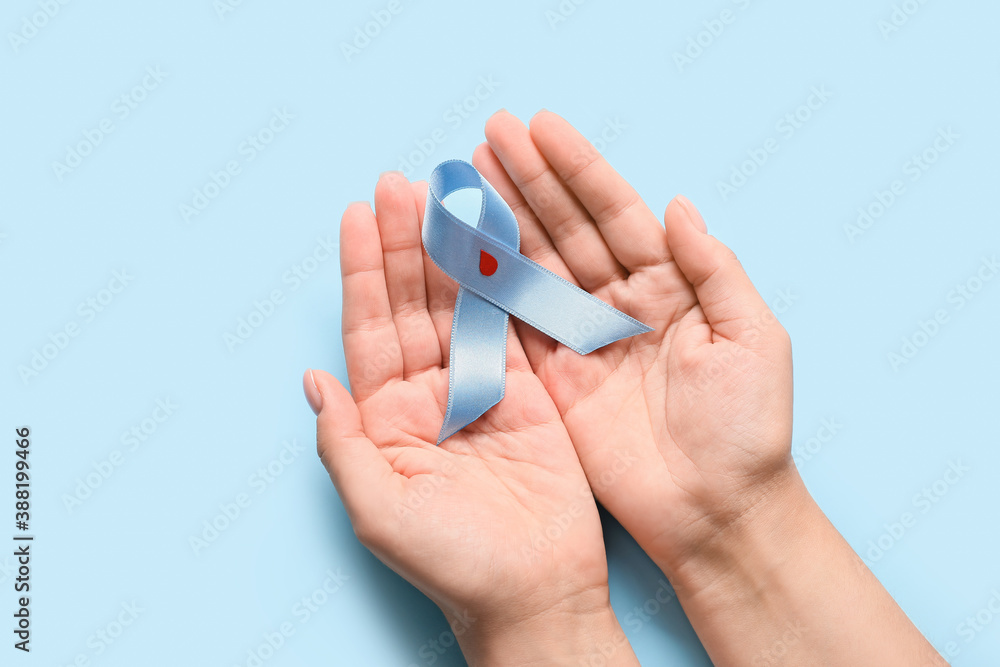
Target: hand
681, 431
685, 432
497, 525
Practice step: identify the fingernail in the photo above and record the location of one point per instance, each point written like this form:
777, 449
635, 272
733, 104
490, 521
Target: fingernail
694, 217
391, 172
313, 396
499, 111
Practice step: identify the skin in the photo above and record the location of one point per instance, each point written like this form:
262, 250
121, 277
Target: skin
478, 524
684, 433
704, 405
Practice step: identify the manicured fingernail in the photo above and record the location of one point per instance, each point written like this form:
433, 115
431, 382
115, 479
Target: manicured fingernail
313, 396
694, 217
499, 111
391, 172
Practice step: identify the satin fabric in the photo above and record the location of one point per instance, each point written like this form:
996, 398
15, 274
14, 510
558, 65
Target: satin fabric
518, 287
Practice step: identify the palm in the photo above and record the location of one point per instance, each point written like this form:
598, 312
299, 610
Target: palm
682, 400
481, 516
473, 513
648, 397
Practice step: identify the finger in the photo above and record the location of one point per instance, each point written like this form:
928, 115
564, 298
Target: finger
630, 229
441, 290
728, 298
568, 224
371, 345
403, 258
363, 477
535, 242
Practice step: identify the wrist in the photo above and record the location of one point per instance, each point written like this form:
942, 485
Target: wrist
573, 631
780, 585
722, 526
749, 573
749, 551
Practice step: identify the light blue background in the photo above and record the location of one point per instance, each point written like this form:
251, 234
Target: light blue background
685, 130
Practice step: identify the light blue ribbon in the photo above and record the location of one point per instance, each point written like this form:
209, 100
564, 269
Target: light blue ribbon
518, 286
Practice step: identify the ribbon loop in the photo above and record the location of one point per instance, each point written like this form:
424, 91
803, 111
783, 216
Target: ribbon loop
496, 279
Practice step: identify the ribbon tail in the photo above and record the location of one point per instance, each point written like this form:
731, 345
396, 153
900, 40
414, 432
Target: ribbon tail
477, 368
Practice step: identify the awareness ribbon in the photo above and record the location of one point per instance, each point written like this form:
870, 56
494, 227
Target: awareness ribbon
496, 280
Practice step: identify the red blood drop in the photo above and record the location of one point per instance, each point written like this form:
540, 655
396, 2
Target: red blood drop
487, 263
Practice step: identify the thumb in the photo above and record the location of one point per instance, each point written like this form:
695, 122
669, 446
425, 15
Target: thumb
358, 470
733, 307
